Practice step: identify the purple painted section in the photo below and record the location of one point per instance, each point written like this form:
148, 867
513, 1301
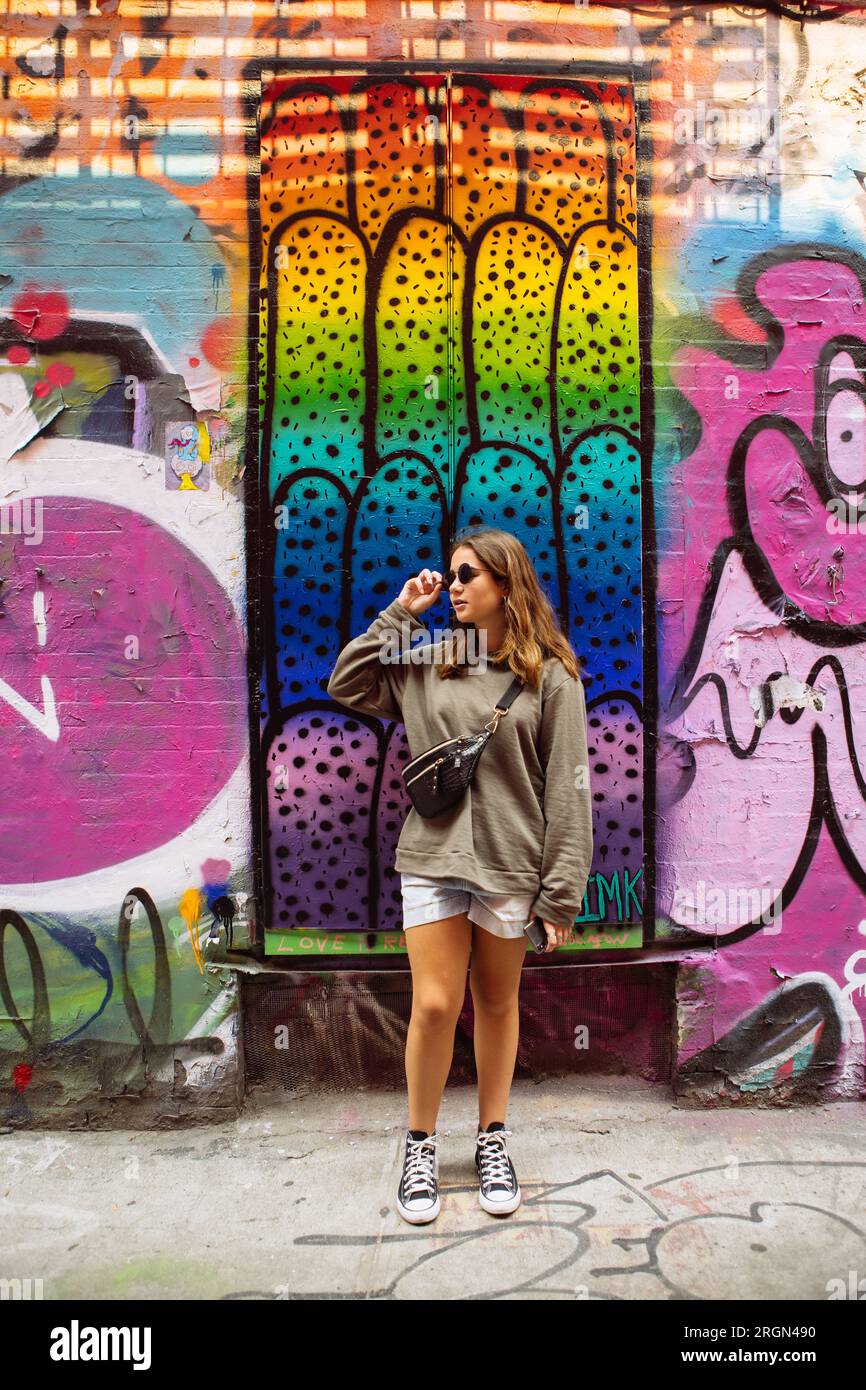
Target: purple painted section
146, 740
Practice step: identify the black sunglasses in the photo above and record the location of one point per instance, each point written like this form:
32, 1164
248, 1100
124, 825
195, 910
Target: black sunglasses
463, 572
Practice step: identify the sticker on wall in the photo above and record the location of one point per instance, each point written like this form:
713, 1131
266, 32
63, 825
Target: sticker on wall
187, 457
226, 464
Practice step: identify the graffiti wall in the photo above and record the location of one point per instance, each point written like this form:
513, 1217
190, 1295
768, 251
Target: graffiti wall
759, 470
124, 778
290, 291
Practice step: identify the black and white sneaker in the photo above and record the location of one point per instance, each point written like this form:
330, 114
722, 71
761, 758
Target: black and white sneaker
498, 1191
418, 1193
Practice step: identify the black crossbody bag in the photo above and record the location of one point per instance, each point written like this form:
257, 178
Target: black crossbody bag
438, 777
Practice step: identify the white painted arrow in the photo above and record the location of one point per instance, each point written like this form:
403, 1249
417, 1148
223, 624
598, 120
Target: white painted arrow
43, 720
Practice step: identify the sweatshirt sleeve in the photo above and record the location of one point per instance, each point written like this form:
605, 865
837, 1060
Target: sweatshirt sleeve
567, 855
363, 676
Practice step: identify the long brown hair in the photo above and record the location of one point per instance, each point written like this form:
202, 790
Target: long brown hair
532, 631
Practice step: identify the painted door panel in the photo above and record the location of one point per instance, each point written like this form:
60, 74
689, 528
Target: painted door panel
449, 336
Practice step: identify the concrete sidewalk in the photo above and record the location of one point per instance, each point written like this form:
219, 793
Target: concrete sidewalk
624, 1197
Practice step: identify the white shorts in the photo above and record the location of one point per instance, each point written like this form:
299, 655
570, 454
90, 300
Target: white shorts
430, 899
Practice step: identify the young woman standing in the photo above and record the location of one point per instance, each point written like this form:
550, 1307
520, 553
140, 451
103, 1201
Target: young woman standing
517, 845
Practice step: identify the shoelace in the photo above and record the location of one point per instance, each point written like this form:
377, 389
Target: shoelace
418, 1175
493, 1160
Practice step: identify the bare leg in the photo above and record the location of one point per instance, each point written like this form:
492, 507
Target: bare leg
494, 980
439, 956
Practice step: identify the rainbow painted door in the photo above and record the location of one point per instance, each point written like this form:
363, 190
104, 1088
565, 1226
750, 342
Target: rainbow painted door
449, 317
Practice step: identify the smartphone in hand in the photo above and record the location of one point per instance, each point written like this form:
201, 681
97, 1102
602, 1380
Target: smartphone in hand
537, 935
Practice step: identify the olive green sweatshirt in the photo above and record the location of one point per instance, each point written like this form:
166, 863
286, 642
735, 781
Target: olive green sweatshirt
525, 822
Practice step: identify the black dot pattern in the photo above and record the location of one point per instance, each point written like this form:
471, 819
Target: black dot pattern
450, 338
398, 128
615, 744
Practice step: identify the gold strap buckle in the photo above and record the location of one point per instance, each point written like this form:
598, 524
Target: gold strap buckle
497, 715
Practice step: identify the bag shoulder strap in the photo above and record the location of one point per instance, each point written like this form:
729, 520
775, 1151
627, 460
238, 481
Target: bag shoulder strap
510, 695
503, 705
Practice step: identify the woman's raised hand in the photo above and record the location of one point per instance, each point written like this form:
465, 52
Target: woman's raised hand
418, 593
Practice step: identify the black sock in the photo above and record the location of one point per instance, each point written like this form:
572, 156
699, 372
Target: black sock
419, 1134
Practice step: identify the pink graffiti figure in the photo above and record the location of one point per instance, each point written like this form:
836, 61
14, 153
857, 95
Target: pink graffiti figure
765, 724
